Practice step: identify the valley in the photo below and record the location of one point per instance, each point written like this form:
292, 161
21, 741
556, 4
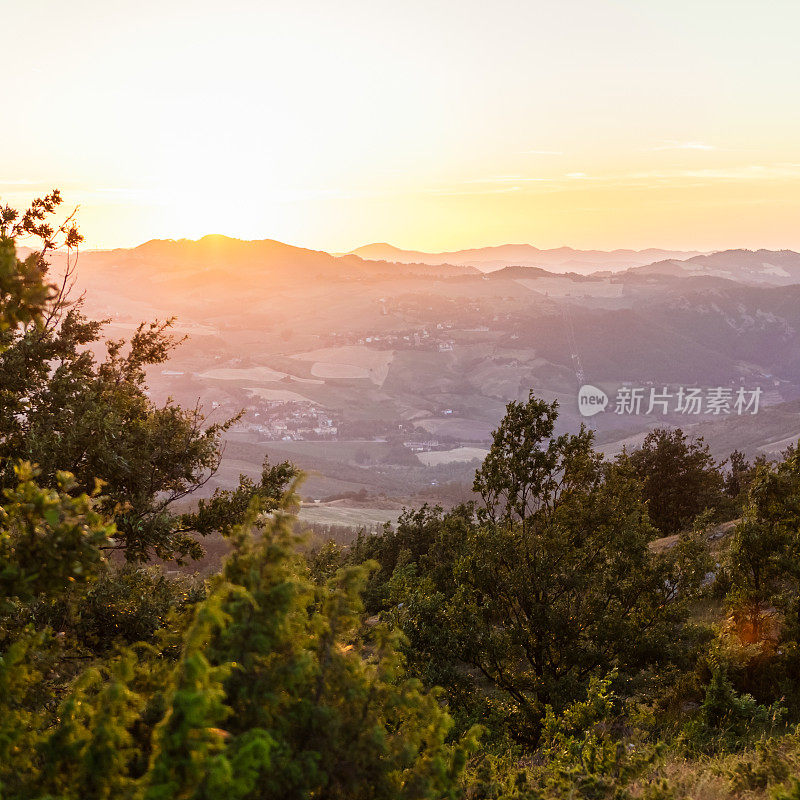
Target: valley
388, 378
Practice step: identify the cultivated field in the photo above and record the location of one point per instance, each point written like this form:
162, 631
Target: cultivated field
282, 395
467, 429
261, 374
330, 514
354, 452
350, 361
245, 374
436, 457
323, 370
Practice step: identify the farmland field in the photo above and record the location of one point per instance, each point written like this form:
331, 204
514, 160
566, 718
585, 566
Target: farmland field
247, 374
340, 450
282, 395
449, 456
351, 361
329, 514
323, 370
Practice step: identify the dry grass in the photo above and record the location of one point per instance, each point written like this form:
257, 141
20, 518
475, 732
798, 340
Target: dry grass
751, 775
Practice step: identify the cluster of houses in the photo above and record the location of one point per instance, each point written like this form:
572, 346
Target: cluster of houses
421, 339
289, 421
422, 445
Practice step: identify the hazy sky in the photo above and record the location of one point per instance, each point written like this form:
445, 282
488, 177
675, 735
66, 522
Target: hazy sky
428, 124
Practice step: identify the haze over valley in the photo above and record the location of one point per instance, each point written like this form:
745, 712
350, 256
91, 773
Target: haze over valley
384, 379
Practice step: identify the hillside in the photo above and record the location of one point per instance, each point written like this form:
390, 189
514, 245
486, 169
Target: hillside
775, 267
639, 611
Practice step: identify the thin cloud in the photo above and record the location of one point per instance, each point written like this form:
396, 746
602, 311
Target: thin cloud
678, 145
742, 172
19, 182
503, 190
543, 152
499, 184
504, 179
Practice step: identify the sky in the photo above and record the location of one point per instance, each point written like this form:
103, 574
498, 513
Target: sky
428, 124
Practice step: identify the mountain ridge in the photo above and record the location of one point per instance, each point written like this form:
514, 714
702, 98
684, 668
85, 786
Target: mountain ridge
496, 256
218, 253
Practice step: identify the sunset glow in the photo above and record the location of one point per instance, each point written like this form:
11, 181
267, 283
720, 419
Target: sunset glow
430, 125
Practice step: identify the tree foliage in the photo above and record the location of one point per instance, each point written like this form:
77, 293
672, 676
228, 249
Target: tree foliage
679, 476
48, 537
546, 584
24, 292
279, 690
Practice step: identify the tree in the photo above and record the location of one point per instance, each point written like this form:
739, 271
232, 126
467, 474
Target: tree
740, 474
24, 292
553, 581
131, 461
319, 695
87, 753
50, 540
48, 537
62, 409
680, 478
758, 643
764, 555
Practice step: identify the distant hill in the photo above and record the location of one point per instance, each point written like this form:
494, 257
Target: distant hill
773, 267
532, 273
561, 259
516, 271
229, 262
215, 252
